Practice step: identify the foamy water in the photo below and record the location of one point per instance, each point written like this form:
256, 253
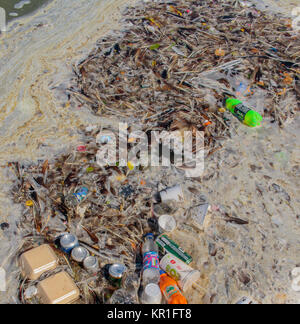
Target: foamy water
36, 58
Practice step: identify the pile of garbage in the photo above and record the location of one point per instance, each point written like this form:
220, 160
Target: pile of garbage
107, 230
103, 230
172, 64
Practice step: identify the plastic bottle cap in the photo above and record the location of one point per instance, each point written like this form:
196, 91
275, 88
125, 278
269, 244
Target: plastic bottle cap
161, 272
149, 235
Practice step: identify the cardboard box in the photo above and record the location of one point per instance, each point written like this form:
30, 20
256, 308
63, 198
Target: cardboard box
35, 262
58, 289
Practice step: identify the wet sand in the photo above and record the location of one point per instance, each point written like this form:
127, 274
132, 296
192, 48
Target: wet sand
37, 122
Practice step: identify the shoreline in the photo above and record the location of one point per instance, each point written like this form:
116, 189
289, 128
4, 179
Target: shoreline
36, 91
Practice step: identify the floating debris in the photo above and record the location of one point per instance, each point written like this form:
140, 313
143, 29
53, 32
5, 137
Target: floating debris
179, 57
169, 69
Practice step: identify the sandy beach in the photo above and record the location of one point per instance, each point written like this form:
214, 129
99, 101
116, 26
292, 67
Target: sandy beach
255, 176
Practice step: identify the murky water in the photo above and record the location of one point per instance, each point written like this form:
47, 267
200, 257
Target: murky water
19, 8
36, 57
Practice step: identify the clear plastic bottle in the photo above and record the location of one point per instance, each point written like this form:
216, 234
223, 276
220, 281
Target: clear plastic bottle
121, 296
74, 199
151, 294
131, 285
150, 261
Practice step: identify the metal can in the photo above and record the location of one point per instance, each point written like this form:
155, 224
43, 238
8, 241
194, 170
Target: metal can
169, 246
116, 274
91, 264
79, 253
68, 242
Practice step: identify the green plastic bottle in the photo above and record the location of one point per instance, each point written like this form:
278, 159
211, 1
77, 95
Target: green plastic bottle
246, 115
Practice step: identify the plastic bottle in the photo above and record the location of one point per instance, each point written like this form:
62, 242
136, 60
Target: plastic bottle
131, 284
72, 200
246, 115
170, 290
150, 261
151, 294
121, 296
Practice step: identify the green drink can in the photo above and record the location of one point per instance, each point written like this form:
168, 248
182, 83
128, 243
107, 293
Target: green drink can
116, 274
169, 246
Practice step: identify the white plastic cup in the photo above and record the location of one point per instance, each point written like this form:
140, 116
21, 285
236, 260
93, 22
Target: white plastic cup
199, 214
166, 224
173, 193
151, 294
179, 271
